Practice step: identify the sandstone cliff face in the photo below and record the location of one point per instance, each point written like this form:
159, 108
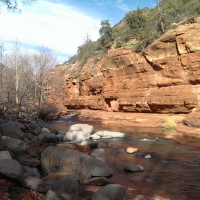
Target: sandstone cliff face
164, 78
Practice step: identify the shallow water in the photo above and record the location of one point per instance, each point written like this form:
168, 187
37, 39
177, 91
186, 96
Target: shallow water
173, 171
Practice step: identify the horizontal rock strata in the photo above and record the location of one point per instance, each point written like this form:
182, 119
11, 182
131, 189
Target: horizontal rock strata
164, 78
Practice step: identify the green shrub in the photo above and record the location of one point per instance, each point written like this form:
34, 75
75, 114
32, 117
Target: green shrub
131, 43
170, 124
138, 47
117, 43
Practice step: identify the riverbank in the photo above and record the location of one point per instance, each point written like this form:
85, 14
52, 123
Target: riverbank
180, 133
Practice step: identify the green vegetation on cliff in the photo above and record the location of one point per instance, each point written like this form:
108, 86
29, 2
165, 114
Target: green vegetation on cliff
138, 28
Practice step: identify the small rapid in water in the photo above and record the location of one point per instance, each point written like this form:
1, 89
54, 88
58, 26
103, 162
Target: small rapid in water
171, 170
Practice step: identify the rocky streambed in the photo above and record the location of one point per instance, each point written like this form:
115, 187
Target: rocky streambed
171, 158
38, 162
63, 160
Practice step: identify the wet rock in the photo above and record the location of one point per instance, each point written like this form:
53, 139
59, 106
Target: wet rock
111, 192
133, 168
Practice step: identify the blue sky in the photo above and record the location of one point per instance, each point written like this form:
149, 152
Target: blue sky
61, 25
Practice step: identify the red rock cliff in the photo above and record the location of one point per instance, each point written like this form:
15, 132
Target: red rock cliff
164, 78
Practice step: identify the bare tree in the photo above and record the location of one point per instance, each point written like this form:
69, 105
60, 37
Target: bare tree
1, 69
20, 76
14, 63
13, 5
44, 60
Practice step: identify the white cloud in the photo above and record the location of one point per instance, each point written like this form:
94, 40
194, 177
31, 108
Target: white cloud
59, 27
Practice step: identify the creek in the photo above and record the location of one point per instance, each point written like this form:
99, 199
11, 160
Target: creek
172, 172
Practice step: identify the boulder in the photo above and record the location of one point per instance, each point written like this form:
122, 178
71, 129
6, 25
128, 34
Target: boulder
99, 154
29, 136
42, 124
60, 136
34, 154
78, 133
37, 130
13, 130
47, 137
13, 144
192, 120
133, 168
46, 129
60, 159
28, 161
28, 171
1, 140
64, 184
57, 132
110, 192
12, 169
106, 134
5, 155
35, 183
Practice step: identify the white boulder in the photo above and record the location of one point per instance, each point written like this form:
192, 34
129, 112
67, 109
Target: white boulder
107, 134
78, 133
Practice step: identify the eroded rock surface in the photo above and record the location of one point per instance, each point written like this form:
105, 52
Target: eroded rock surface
164, 78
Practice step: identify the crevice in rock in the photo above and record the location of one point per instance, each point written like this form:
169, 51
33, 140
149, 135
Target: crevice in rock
152, 64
